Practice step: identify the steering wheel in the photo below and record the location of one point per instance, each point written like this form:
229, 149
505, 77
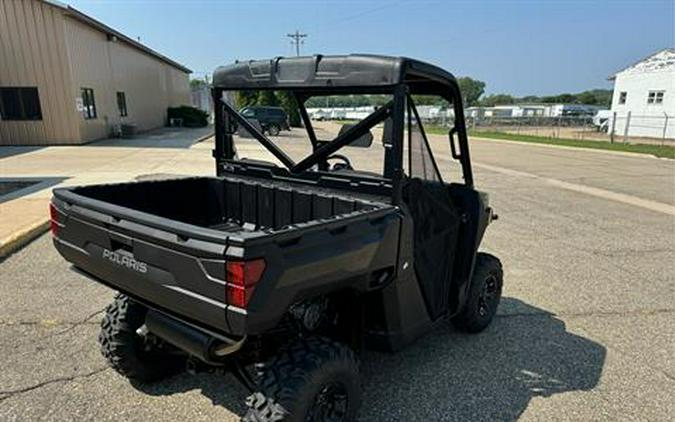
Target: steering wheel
344, 165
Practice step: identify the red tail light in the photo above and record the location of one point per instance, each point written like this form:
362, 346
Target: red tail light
241, 277
54, 224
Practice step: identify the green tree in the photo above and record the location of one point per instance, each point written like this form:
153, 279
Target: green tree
471, 90
194, 83
567, 98
561, 98
432, 100
267, 98
286, 100
245, 98
529, 99
600, 97
498, 99
587, 97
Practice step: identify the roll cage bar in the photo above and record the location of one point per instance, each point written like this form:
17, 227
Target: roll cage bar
414, 78
321, 151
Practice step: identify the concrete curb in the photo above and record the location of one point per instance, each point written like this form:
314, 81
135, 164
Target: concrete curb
21, 238
600, 151
204, 137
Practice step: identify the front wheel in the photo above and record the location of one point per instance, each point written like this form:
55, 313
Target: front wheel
273, 130
484, 294
315, 379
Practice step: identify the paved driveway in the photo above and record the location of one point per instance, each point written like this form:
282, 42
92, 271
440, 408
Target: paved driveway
586, 329
166, 150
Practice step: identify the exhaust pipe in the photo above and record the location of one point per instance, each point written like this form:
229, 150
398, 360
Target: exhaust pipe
205, 345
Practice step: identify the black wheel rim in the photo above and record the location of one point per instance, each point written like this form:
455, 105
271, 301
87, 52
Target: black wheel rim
487, 296
330, 404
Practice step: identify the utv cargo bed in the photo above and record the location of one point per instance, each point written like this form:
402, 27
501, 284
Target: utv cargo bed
167, 242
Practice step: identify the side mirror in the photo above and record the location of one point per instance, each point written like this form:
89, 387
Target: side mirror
362, 142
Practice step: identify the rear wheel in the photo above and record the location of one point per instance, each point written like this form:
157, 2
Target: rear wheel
273, 129
129, 349
315, 379
484, 294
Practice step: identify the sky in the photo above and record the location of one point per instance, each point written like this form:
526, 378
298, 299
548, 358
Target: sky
518, 47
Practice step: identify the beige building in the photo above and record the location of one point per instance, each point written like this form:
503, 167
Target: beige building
66, 78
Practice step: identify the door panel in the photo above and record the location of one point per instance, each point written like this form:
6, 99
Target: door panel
436, 228
435, 217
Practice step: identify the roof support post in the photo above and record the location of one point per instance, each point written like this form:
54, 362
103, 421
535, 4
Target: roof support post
224, 148
460, 125
300, 99
393, 155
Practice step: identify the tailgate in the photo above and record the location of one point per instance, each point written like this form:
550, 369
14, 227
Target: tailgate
174, 272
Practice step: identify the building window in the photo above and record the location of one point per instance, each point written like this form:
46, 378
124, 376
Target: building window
89, 110
622, 97
20, 103
655, 97
122, 104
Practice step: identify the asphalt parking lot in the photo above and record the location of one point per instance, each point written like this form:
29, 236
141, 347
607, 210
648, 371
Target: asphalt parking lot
585, 331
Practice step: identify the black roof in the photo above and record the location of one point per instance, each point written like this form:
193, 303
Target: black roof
325, 73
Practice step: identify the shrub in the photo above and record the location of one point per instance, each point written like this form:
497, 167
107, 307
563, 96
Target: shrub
192, 117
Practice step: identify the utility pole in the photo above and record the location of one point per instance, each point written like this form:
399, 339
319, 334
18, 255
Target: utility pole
297, 39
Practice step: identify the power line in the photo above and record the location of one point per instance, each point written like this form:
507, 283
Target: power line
297, 39
361, 13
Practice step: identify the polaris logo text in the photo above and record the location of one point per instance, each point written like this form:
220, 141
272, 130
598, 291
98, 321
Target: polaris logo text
125, 261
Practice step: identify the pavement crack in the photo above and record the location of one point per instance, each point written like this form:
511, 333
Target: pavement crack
4, 395
83, 321
46, 323
71, 325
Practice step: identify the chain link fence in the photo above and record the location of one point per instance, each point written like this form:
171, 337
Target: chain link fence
624, 128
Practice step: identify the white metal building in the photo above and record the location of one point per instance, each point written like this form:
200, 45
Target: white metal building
644, 97
334, 113
533, 110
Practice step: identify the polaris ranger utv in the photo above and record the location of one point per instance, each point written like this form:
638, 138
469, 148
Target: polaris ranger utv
280, 271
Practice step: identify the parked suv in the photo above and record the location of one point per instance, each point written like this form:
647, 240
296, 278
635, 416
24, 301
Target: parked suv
271, 119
